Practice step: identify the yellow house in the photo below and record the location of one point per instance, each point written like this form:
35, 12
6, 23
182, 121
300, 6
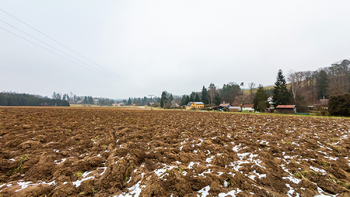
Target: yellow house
195, 105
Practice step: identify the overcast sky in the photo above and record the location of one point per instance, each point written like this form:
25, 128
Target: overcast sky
135, 48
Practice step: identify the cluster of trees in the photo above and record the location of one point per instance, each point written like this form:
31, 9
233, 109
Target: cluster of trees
212, 95
233, 93
308, 87
16, 99
73, 99
142, 101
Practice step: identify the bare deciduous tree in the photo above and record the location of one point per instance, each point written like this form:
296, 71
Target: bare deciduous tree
251, 87
211, 92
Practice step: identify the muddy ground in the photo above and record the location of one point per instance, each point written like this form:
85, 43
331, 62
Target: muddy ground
107, 152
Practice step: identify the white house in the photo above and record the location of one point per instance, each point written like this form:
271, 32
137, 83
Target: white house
248, 107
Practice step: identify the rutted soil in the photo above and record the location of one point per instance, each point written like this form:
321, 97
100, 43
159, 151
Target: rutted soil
107, 152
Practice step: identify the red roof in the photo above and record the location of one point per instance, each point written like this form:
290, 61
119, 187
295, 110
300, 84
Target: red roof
224, 104
285, 106
248, 105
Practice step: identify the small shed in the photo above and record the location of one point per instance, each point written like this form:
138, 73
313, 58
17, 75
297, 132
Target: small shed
286, 109
234, 109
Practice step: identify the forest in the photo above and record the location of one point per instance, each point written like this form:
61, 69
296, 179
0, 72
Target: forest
17, 99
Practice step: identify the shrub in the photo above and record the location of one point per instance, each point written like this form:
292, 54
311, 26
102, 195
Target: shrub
339, 105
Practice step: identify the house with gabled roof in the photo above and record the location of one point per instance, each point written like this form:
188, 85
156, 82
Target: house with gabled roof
224, 105
248, 107
286, 109
195, 105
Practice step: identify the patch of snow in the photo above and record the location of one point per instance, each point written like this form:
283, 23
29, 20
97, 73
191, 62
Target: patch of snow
104, 170
63, 160
331, 158
78, 182
204, 191
208, 160
205, 172
318, 170
135, 190
323, 193
291, 191
294, 180
24, 185
161, 171
232, 193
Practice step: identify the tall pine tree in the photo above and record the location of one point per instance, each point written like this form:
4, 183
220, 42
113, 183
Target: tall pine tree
281, 95
183, 100
205, 99
322, 84
217, 99
196, 98
187, 99
163, 99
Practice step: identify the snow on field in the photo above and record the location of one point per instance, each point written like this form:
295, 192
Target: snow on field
204, 191
232, 193
24, 185
181, 148
134, 191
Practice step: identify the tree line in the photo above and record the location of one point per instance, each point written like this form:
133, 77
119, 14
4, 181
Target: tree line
303, 88
142, 101
308, 87
74, 99
17, 99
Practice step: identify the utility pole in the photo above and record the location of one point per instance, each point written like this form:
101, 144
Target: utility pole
151, 101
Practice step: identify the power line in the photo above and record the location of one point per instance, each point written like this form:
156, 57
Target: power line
45, 43
55, 53
69, 49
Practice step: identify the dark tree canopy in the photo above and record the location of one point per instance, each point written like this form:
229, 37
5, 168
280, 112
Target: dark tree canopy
217, 99
205, 96
14, 99
281, 95
229, 92
339, 105
322, 84
260, 100
196, 99
163, 99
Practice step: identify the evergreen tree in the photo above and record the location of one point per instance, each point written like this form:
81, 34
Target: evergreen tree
90, 100
192, 96
260, 100
183, 100
129, 101
322, 84
163, 99
187, 99
205, 95
196, 99
281, 95
217, 99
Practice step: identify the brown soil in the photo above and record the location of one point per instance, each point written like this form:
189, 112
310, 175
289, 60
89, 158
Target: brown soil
108, 152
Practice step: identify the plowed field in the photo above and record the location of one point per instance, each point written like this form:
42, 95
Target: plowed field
107, 152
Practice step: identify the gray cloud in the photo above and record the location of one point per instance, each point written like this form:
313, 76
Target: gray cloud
177, 46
